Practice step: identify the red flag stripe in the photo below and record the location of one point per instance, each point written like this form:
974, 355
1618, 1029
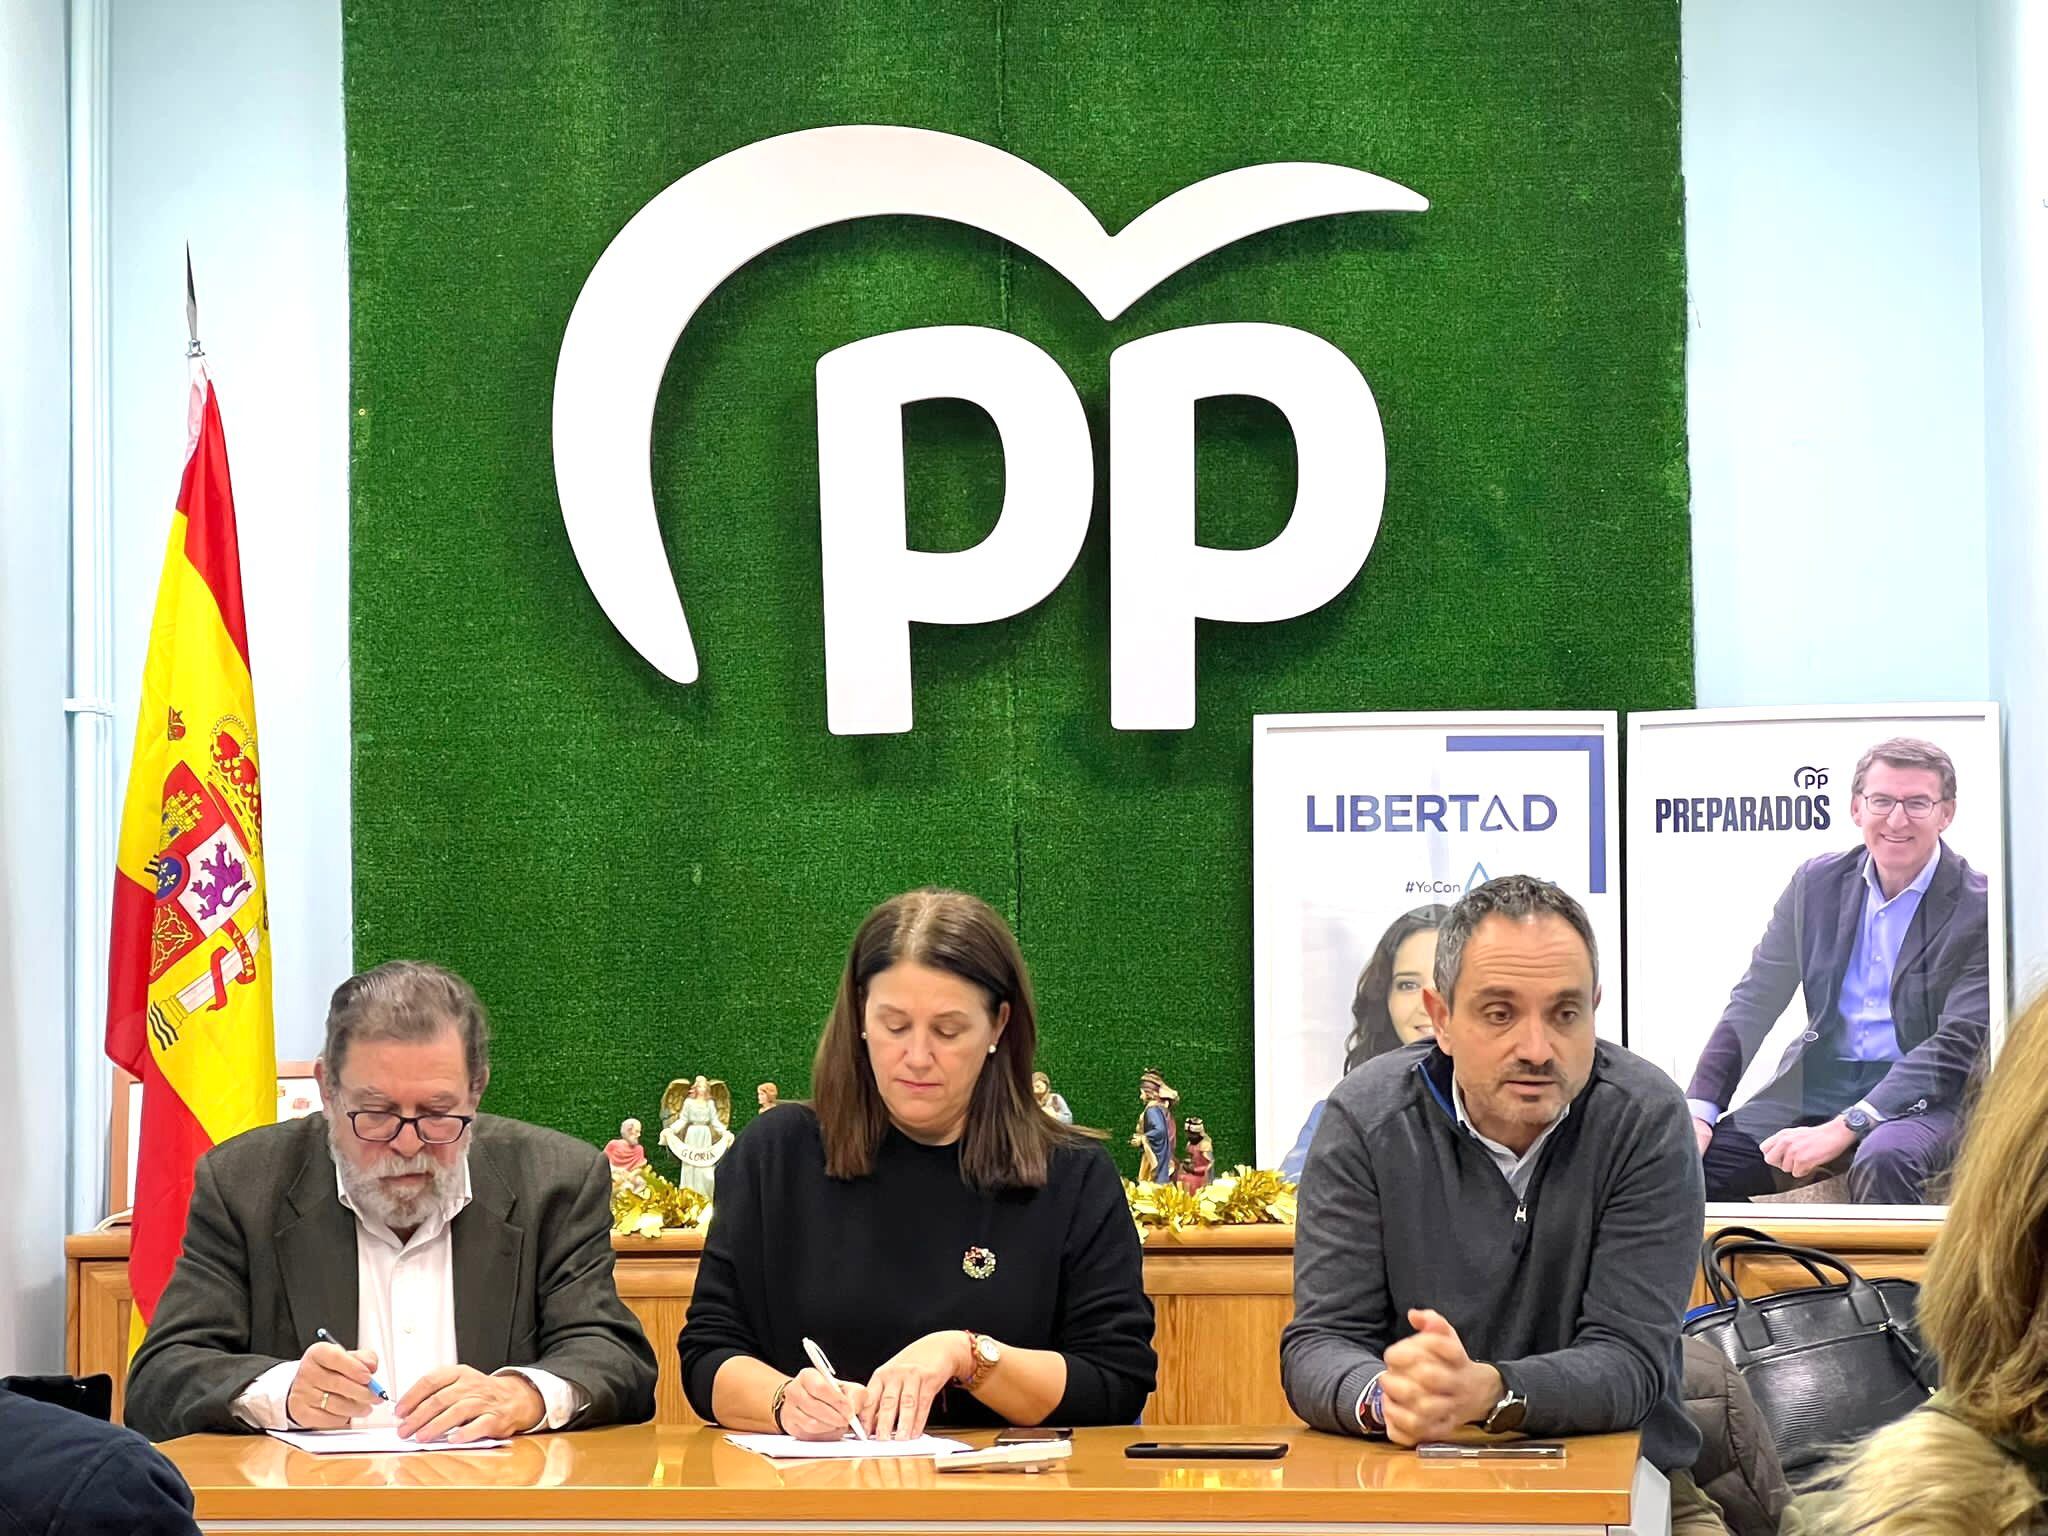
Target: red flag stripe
172, 1141
207, 499
128, 978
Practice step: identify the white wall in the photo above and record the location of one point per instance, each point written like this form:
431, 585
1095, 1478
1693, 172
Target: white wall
2013, 53
226, 130
35, 486
1835, 367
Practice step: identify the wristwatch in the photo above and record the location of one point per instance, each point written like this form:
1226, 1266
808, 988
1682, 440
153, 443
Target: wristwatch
1508, 1413
1372, 1407
986, 1353
1857, 1118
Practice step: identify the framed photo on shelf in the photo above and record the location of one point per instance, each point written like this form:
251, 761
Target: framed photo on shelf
298, 1095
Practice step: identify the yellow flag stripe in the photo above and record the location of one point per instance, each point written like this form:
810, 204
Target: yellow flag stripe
224, 1068
193, 666
222, 1061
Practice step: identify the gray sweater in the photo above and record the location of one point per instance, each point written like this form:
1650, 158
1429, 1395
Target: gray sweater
1575, 1294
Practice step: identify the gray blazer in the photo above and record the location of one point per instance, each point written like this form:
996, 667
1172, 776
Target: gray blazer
270, 1255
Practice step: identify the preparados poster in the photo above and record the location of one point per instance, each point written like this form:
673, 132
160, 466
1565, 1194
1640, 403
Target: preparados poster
1816, 936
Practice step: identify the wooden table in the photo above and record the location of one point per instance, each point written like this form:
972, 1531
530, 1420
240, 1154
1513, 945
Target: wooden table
648, 1479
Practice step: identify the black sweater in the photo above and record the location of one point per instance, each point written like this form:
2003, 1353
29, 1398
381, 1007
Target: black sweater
865, 1266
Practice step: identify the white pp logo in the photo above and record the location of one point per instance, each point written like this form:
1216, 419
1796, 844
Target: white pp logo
674, 252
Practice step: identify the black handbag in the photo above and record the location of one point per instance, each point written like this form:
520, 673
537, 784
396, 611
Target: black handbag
1828, 1363
92, 1396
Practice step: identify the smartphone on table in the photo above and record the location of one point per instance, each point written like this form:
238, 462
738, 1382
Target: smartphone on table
1207, 1450
1511, 1450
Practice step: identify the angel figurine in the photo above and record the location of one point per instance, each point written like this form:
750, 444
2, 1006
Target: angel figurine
696, 1126
627, 1157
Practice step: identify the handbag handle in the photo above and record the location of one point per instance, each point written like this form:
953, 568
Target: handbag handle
1812, 1260
1721, 1283
1750, 1329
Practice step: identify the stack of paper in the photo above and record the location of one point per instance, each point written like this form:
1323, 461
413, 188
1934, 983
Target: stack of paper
789, 1448
373, 1442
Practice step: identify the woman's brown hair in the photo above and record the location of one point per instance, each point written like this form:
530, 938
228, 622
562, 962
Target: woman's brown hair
1008, 1140
1984, 1312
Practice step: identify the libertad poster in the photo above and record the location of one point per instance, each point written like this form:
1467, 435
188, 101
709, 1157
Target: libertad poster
1365, 828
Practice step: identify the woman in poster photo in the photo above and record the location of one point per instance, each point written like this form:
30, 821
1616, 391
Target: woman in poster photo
1386, 1008
1888, 945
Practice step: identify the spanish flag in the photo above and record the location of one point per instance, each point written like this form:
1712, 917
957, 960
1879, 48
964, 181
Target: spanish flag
188, 996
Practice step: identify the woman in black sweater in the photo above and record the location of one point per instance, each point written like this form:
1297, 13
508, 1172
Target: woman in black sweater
960, 1256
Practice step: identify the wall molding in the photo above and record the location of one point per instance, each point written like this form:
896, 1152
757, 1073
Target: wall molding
89, 707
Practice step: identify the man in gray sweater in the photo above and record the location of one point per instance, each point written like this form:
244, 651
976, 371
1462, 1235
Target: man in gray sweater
1499, 1229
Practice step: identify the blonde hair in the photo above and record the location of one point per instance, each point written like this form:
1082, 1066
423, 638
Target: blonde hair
1984, 1312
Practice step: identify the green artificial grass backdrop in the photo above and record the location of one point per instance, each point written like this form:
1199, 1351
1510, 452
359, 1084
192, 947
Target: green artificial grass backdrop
648, 881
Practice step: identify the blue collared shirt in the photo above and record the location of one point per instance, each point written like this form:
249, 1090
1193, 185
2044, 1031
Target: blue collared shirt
1866, 1002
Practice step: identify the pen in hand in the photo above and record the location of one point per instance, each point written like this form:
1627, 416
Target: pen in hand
327, 1338
818, 1359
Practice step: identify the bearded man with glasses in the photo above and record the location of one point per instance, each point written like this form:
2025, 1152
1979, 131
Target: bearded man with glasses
1889, 943
400, 1259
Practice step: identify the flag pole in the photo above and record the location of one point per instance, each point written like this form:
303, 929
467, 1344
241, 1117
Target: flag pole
193, 349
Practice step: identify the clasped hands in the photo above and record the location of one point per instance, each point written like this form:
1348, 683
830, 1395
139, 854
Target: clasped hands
1798, 1151
892, 1405
456, 1403
1430, 1386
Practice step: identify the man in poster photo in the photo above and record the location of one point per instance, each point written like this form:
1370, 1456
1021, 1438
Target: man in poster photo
1889, 942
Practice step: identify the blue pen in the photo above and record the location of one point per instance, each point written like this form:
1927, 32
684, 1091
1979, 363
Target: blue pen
327, 1338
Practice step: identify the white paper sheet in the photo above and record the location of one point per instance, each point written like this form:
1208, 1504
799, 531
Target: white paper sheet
789, 1448
371, 1442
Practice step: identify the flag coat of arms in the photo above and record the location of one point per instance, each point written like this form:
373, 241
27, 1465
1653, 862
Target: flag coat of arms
189, 984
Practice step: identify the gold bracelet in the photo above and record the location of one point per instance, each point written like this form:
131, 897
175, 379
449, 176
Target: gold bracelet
775, 1403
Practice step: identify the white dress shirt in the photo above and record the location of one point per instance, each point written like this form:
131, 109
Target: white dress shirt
405, 1312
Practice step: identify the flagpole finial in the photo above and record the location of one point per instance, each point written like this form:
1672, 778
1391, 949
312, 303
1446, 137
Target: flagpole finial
192, 349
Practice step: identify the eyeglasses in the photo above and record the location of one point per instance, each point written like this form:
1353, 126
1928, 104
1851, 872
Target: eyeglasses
1916, 807
383, 1125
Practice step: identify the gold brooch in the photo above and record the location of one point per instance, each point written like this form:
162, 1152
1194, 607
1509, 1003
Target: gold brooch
979, 1263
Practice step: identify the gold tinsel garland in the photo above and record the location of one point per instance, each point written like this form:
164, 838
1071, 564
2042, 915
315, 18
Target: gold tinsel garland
1242, 1197
650, 1205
